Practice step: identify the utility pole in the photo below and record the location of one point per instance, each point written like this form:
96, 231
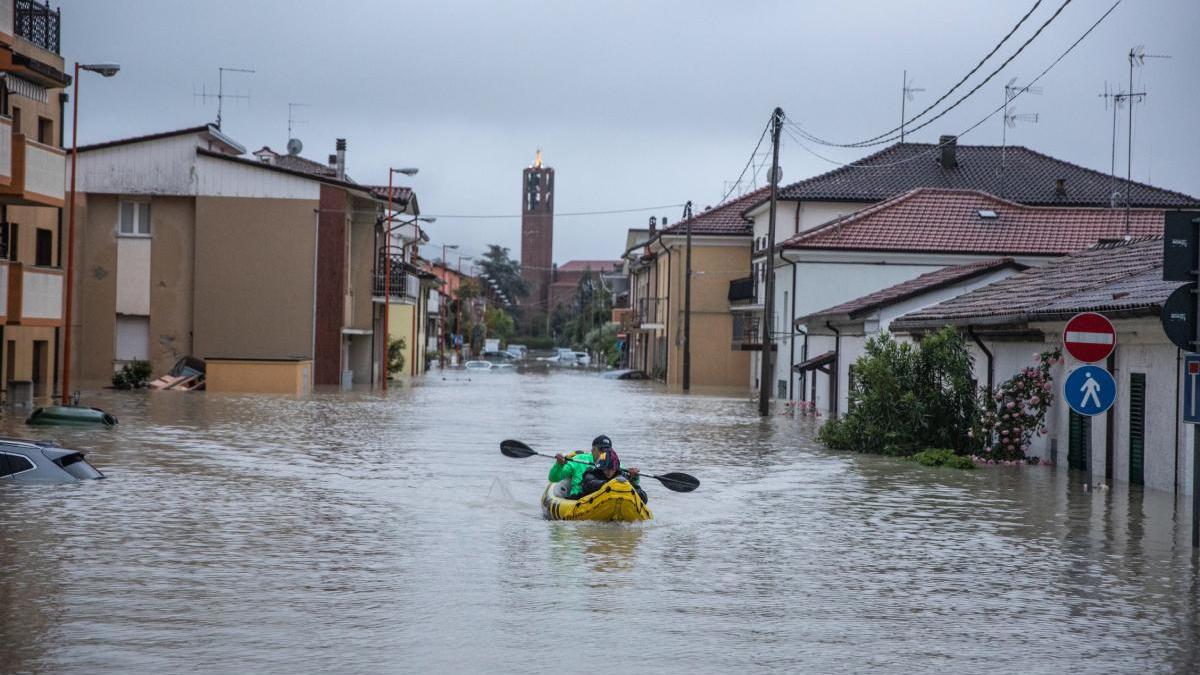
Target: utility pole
687, 302
766, 375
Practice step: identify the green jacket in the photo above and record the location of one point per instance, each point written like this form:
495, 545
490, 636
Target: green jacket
576, 465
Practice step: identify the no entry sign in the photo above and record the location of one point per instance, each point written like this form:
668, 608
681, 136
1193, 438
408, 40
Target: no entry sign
1089, 337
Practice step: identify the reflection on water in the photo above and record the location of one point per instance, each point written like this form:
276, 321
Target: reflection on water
350, 532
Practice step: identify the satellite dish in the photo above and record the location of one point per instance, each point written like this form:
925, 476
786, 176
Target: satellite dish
294, 146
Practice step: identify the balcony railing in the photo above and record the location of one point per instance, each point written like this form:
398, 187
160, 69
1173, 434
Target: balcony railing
651, 312
404, 285
37, 23
742, 291
747, 332
38, 174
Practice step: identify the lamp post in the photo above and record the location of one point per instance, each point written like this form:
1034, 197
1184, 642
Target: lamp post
458, 318
442, 337
387, 271
106, 70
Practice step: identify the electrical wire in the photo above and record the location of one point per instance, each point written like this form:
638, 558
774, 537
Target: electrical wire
559, 215
749, 162
887, 138
932, 149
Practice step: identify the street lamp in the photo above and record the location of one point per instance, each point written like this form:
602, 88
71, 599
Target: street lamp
387, 272
106, 70
442, 337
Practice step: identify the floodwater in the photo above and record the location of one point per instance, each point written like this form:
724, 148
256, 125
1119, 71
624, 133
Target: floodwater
349, 532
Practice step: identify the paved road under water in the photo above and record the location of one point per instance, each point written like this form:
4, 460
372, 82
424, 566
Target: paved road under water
352, 533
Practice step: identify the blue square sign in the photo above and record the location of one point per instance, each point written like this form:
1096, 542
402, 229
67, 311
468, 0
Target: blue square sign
1191, 380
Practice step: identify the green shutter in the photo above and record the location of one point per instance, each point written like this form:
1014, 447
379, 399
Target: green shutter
1079, 437
1137, 428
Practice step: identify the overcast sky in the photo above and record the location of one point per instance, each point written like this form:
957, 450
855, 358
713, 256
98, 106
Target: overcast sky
636, 103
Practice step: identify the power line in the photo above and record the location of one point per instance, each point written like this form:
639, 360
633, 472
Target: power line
574, 213
889, 137
749, 161
969, 129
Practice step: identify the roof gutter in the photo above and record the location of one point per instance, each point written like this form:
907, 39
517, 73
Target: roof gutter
991, 369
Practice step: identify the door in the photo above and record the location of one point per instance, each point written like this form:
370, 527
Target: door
41, 349
1079, 440
1137, 428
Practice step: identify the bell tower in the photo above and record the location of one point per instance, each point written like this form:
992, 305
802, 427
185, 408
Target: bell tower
537, 233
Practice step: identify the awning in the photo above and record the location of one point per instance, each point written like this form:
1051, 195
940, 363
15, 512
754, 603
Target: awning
816, 363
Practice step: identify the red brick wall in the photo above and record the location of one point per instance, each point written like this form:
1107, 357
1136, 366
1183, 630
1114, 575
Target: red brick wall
537, 234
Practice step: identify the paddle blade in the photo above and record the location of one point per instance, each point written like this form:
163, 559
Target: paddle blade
517, 449
678, 482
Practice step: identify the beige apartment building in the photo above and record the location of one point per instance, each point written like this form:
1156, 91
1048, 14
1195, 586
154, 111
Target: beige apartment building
265, 266
654, 322
32, 162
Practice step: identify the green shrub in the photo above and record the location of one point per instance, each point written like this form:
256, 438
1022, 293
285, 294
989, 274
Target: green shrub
132, 375
906, 397
943, 457
396, 355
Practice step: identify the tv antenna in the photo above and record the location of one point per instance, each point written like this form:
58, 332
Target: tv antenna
221, 95
1137, 57
1114, 98
292, 121
906, 94
1011, 117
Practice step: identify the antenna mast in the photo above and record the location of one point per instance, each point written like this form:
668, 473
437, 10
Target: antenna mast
1137, 56
906, 94
1010, 119
292, 121
221, 95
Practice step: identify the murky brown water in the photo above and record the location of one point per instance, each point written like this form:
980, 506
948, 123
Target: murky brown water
352, 533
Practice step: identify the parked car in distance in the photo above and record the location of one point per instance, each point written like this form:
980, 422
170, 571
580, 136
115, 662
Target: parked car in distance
583, 359
497, 357
564, 356
478, 365
44, 462
519, 351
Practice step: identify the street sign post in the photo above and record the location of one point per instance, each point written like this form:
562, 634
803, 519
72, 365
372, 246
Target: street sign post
1089, 337
1090, 390
1191, 396
1181, 262
1179, 317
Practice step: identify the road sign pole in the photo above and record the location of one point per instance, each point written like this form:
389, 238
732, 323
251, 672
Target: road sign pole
1195, 431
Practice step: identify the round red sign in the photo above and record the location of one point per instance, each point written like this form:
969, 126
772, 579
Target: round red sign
1089, 337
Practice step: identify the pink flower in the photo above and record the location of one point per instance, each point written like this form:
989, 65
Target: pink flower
1035, 400
1009, 405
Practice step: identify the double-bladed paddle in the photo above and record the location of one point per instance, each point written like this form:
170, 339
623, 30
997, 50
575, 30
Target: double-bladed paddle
676, 482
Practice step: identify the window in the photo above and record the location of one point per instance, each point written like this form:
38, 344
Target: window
13, 231
135, 218
1079, 440
13, 464
45, 130
133, 338
1137, 428
45, 248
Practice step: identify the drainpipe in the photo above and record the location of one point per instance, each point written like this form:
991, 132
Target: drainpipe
792, 325
666, 313
837, 364
1178, 380
988, 354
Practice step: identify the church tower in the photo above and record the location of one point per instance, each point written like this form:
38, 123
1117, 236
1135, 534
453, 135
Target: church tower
537, 233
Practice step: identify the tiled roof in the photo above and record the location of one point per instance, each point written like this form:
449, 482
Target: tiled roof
949, 221
723, 219
1115, 276
585, 265
400, 195
930, 281
1028, 177
297, 163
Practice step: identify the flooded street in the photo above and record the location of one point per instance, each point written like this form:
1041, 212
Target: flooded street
347, 532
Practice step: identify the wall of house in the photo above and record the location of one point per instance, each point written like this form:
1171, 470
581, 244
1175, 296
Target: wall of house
259, 377
332, 254
715, 263
254, 277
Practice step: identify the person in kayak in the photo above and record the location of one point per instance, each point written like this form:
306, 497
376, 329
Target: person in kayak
607, 466
575, 464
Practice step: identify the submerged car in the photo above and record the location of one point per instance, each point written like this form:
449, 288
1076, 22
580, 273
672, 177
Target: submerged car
24, 461
478, 365
583, 359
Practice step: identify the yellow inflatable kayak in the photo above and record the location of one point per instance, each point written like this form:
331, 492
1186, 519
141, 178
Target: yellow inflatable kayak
617, 500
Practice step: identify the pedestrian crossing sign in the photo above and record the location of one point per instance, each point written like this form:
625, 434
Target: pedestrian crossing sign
1090, 390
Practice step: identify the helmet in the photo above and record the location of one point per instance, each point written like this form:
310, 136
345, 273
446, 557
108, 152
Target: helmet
602, 442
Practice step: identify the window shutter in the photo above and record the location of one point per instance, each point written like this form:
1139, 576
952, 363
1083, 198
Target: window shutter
1137, 428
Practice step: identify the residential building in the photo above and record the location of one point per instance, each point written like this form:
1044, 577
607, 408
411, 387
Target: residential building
568, 275
834, 338
1014, 174
654, 323
186, 247
32, 165
1141, 439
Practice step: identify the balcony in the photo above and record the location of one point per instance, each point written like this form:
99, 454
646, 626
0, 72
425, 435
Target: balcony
651, 313
404, 286
30, 296
37, 23
38, 174
747, 332
742, 291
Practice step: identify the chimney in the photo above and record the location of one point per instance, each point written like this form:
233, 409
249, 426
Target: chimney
1060, 186
333, 161
948, 144
341, 159
653, 225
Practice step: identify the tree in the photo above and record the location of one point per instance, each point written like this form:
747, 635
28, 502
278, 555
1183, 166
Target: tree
499, 323
505, 271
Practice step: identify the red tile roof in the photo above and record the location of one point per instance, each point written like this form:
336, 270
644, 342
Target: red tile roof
1122, 277
930, 281
932, 220
1028, 177
585, 265
723, 219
